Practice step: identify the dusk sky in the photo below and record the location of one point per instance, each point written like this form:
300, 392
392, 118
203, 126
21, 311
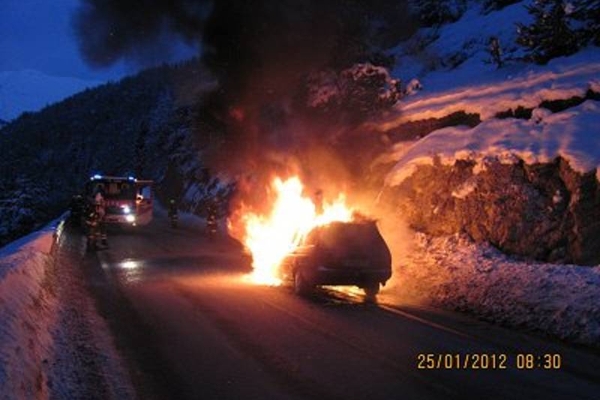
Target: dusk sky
39, 35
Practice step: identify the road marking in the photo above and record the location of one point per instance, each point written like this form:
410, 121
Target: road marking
423, 321
361, 348
394, 310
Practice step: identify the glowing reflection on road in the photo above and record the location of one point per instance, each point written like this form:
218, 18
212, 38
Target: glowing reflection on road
130, 264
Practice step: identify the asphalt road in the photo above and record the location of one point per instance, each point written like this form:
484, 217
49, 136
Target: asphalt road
191, 327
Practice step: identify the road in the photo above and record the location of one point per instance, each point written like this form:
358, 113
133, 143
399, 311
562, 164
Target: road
192, 327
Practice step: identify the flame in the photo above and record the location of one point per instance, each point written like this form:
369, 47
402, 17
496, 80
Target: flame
271, 237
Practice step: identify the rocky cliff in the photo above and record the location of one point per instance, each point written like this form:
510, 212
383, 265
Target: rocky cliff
546, 211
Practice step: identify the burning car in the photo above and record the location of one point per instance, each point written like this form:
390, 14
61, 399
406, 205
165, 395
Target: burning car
339, 253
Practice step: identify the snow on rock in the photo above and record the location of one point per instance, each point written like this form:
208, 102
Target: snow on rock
570, 134
530, 187
456, 273
545, 211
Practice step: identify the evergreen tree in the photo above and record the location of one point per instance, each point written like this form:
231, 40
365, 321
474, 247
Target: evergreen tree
140, 151
550, 35
495, 52
588, 13
437, 12
494, 5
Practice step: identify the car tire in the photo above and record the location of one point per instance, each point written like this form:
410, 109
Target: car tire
301, 286
371, 289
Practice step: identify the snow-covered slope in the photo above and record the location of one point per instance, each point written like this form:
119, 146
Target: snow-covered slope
455, 72
482, 89
31, 90
475, 86
498, 181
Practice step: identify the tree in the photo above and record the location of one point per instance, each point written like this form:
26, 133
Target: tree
140, 150
494, 5
550, 35
588, 13
495, 51
354, 94
437, 12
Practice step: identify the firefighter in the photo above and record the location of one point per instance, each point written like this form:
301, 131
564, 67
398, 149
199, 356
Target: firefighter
211, 221
77, 209
173, 213
92, 225
100, 206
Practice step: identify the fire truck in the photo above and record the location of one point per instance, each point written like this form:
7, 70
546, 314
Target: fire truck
127, 200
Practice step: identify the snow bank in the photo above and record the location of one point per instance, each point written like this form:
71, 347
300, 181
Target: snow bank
571, 134
27, 310
453, 272
53, 344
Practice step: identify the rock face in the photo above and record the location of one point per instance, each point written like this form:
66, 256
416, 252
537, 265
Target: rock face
547, 212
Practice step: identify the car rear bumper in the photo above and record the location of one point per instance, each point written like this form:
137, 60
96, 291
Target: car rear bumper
323, 275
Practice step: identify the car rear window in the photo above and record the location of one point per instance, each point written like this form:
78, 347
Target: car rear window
346, 235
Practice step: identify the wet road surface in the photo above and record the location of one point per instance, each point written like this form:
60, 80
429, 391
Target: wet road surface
192, 327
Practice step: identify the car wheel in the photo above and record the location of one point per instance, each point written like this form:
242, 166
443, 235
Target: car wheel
301, 286
371, 289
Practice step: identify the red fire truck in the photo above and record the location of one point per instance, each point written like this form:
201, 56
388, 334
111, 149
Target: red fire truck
128, 201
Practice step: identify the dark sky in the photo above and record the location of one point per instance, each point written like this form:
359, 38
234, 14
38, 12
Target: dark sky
39, 35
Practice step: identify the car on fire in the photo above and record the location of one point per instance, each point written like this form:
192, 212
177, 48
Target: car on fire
340, 253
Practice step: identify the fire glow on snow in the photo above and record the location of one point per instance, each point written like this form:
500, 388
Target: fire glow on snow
271, 237
568, 134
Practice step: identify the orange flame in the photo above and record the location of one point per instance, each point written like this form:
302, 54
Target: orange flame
271, 237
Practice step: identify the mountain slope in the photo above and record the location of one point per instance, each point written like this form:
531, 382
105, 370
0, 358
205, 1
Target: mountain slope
30, 90
133, 127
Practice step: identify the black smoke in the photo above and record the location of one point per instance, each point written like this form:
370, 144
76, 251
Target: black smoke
240, 38
261, 52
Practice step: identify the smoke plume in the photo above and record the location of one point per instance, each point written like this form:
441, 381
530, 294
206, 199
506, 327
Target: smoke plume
262, 53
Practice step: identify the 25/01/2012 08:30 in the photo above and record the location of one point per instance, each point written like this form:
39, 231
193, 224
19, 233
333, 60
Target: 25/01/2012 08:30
488, 361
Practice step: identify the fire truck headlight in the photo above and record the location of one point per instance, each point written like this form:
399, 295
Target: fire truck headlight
130, 218
126, 209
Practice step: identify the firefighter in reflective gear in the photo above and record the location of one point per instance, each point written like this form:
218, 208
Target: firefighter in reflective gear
211, 221
92, 225
173, 213
100, 209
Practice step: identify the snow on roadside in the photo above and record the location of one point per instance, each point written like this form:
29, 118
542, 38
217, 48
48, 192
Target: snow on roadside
453, 272
27, 310
53, 344
570, 134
